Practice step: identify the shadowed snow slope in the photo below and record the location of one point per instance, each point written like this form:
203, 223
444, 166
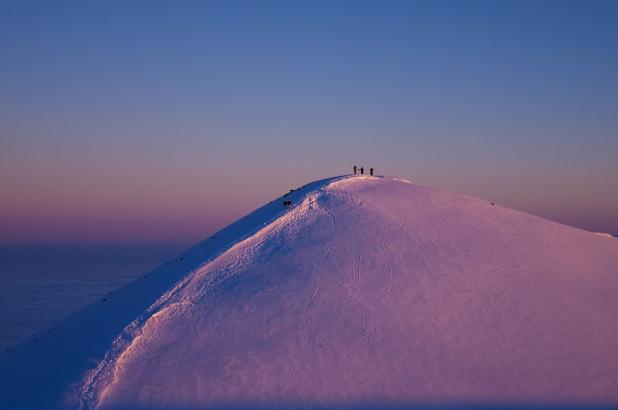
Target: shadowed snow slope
366, 292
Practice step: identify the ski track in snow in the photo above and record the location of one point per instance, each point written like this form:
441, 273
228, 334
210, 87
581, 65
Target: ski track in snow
389, 286
311, 299
309, 343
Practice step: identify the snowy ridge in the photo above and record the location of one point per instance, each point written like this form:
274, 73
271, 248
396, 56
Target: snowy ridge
378, 290
87, 336
132, 338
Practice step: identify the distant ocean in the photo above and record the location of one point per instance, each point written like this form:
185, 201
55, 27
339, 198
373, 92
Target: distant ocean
40, 285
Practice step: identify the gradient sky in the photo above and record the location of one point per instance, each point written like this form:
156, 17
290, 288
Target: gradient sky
163, 121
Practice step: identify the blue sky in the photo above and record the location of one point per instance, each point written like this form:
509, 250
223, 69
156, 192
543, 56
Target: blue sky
166, 120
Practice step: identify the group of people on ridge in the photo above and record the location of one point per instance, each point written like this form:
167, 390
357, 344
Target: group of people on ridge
362, 170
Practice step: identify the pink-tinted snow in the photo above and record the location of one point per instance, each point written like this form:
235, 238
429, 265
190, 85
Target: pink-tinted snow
368, 292
375, 290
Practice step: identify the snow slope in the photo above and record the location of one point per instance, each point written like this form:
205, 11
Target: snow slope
47, 371
367, 292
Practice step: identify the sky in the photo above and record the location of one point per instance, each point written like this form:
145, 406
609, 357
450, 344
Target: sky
165, 121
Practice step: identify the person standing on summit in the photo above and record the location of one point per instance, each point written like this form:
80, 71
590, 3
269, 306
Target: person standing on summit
371, 171
354, 169
362, 170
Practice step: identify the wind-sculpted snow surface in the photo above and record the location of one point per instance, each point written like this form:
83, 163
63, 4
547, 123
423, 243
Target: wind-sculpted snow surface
376, 293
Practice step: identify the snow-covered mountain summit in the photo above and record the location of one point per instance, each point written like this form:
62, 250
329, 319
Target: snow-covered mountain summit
364, 291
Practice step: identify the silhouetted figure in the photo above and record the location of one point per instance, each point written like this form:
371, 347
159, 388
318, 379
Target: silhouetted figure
371, 171
354, 169
362, 170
